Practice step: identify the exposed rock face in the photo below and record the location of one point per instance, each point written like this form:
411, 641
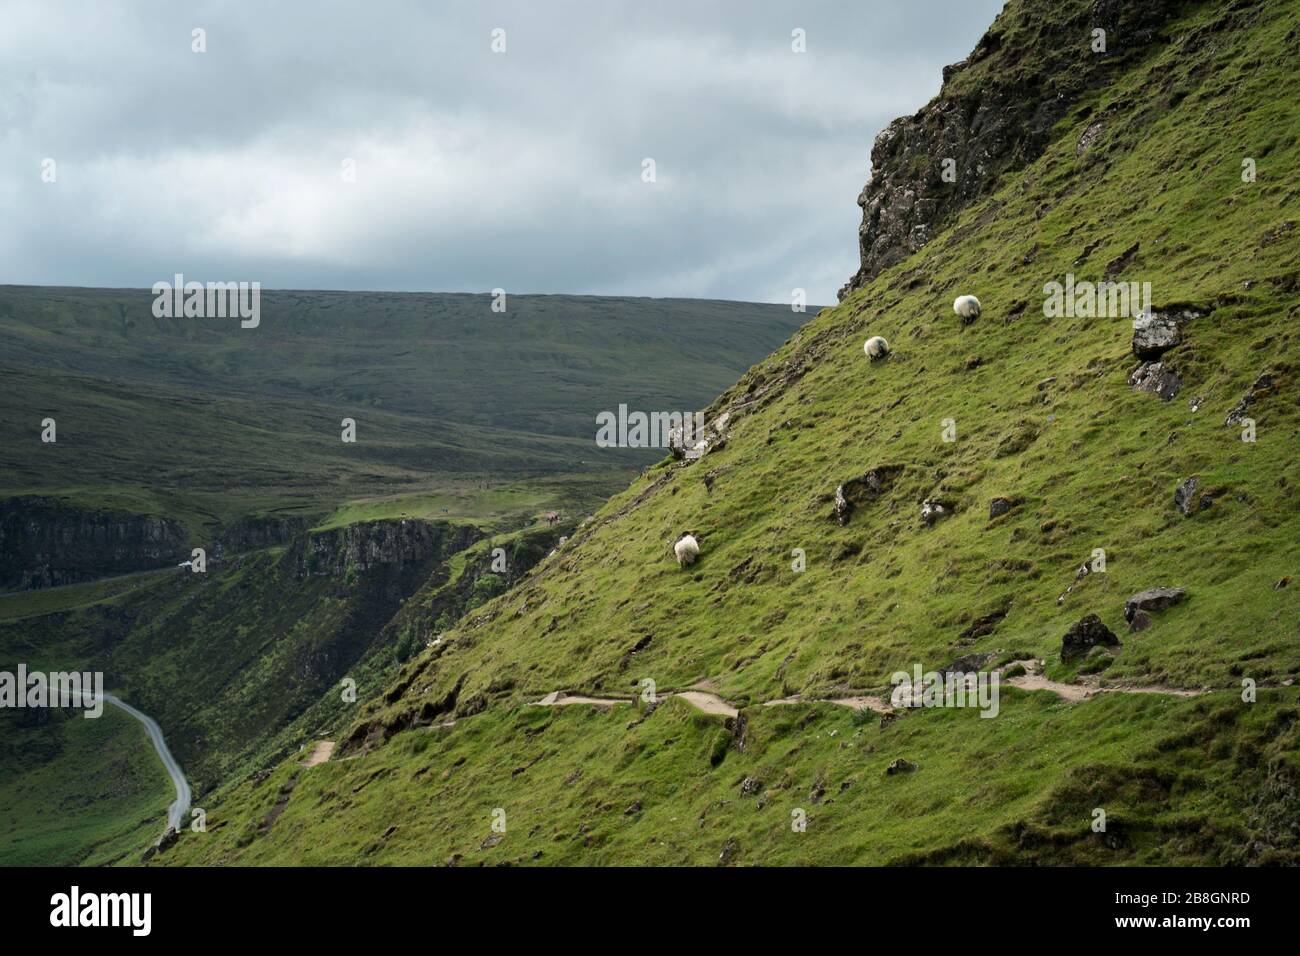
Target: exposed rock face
688, 443
969, 663
1084, 635
1153, 599
1260, 388
1158, 379
730, 850
994, 114
361, 547
45, 542
1186, 499
254, 533
1155, 333
900, 765
999, 507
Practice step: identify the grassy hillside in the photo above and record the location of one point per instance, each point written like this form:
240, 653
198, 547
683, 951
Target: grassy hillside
92, 792
1044, 417
178, 433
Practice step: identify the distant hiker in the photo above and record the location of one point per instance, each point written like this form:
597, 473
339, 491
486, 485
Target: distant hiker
687, 549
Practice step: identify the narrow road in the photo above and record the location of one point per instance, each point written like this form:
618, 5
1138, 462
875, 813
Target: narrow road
180, 807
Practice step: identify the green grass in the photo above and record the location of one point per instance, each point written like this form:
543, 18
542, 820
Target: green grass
568, 777
470, 502
1092, 463
101, 797
489, 416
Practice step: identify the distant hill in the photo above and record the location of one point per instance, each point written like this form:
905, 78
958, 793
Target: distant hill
205, 421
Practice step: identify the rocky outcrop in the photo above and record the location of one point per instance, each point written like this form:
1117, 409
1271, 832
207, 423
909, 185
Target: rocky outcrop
994, 114
361, 547
254, 532
46, 542
1084, 635
1153, 599
1158, 379
687, 443
1261, 387
1187, 497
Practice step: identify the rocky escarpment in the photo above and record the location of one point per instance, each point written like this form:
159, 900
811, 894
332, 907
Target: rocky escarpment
994, 114
46, 542
363, 547
254, 532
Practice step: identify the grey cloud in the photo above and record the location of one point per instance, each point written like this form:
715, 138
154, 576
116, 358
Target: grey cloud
475, 170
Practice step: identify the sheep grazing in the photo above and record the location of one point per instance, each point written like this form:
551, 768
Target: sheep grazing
687, 549
876, 348
968, 307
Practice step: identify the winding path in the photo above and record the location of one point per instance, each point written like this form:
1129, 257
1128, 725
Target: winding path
181, 805
1033, 679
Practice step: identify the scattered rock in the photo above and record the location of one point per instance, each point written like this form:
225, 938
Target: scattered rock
843, 507
999, 507
730, 850
1158, 379
1085, 634
1088, 135
1282, 583
900, 766
1156, 332
634, 807
1153, 599
1122, 261
982, 626
491, 841
973, 363
932, 511
750, 786
1140, 621
863, 489
168, 840
1258, 389
1187, 498
970, 663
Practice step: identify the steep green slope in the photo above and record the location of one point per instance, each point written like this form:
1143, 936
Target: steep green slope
1045, 417
181, 433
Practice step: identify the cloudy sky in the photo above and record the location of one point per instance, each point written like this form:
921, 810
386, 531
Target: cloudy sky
473, 169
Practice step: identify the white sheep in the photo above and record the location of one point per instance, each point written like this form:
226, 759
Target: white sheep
967, 306
876, 348
687, 549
